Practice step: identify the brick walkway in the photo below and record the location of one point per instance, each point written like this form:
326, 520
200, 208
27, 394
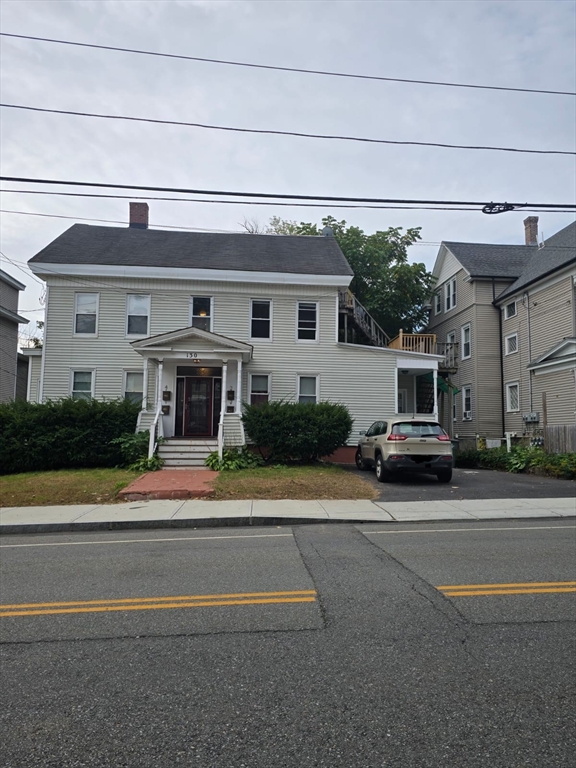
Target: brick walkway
170, 484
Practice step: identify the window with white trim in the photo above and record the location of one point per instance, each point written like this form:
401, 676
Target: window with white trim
402, 401
466, 342
513, 397
511, 343
451, 337
307, 329
510, 310
86, 313
201, 312
467, 403
134, 386
307, 389
82, 385
450, 294
454, 409
437, 303
260, 319
137, 314
259, 388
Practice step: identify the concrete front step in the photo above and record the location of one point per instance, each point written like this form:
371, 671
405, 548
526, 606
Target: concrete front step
186, 452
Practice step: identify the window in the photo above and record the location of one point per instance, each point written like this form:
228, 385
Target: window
307, 321
467, 403
138, 312
510, 310
511, 344
454, 409
134, 386
513, 397
451, 337
466, 343
81, 387
261, 319
259, 388
201, 312
86, 313
437, 303
450, 293
308, 389
402, 401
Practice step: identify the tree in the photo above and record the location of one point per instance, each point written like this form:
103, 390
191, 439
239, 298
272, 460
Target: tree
395, 292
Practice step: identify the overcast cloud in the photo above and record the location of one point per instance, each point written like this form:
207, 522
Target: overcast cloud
520, 44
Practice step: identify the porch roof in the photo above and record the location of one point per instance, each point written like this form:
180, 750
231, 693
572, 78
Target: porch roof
186, 341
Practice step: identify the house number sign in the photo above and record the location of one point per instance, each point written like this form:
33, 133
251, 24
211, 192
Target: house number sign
192, 355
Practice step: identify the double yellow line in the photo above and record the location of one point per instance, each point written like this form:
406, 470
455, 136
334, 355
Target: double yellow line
158, 603
522, 588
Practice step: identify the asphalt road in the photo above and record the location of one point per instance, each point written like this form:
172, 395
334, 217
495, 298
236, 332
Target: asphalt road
470, 484
337, 646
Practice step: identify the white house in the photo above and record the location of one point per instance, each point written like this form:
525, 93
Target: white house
192, 325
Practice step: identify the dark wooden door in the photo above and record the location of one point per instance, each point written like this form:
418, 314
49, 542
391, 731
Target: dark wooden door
198, 406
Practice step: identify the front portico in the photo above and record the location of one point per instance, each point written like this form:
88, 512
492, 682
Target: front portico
193, 385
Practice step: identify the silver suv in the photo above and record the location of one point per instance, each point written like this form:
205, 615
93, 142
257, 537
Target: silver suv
405, 445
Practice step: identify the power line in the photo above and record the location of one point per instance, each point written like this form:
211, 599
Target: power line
278, 196
21, 270
288, 69
297, 134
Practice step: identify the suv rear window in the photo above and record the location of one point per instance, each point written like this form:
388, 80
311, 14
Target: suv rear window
417, 429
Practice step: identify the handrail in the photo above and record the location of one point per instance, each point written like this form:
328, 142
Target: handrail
156, 425
348, 302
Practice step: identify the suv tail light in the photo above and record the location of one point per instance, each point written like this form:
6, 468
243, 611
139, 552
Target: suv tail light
397, 437
443, 438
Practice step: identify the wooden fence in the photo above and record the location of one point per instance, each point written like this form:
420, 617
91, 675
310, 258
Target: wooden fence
560, 439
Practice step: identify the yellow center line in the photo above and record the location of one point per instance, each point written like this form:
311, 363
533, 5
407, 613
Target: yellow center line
112, 601
160, 606
511, 585
536, 591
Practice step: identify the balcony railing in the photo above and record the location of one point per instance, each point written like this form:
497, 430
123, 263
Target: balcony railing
349, 304
426, 343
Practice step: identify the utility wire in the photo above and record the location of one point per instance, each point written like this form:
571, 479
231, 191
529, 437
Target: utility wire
297, 134
21, 270
287, 69
277, 196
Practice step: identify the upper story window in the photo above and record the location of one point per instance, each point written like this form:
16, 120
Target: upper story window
450, 294
466, 342
138, 314
259, 388
510, 310
86, 313
511, 344
82, 385
134, 386
437, 303
307, 389
201, 312
260, 319
451, 337
513, 397
307, 327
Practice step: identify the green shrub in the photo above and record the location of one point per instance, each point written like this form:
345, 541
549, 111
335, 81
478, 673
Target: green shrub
467, 459
233, 459
63, 434
520, 459
134, 448
297, 431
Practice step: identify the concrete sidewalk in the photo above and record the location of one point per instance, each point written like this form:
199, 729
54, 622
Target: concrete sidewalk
202, 514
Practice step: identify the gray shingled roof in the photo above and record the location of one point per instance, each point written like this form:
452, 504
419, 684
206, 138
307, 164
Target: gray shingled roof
487, 260
87, 244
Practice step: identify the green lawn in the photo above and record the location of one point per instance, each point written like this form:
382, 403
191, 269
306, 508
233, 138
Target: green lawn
65, 486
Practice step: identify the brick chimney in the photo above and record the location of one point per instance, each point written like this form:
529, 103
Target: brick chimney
139, 215
531, 230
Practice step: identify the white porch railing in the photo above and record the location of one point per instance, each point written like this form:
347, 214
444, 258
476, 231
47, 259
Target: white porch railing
156, 432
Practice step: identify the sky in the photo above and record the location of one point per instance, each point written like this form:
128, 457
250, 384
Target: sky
528, 44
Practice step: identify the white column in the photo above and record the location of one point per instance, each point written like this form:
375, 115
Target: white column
222, 408
239, 388
160, 383
145, 385
435, 375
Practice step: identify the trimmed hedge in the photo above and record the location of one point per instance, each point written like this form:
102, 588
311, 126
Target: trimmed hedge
63, 434
521, 459
301, 432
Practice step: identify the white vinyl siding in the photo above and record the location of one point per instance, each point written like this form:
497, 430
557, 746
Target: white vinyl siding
137, 314
512, 344
259, 388
466, 342
307, 321
201, 312
308, 389
261, 319
86, 314
513, 397
82, 385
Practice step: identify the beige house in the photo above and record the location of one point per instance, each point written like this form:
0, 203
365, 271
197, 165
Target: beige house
193, 325
9, 322
511, 310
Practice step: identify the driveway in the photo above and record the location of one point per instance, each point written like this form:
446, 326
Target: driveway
470, 484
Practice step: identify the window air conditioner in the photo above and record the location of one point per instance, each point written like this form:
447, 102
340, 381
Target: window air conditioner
467, 416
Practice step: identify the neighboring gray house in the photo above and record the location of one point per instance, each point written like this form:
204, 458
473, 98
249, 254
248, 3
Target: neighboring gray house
9, 321
192, 325
511, 310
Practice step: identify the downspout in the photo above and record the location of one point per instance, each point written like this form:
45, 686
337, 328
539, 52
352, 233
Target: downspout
499, 309
527, 296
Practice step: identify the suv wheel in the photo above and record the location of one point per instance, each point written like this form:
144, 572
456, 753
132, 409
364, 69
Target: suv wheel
360, 463
445, 475
383, 475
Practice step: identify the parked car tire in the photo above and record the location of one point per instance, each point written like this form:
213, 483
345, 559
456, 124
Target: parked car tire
360, 463
383, 475
444, 476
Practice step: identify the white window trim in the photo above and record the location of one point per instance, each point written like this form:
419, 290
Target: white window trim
448, 294
308, 341
86, 335
260, 373
257, 339
85, 369
506, 315
464, 388
508, 386
191, 316
464, 327
125, 373
451, 337
514, 352
138, 335
404, 393
438, 303
307, 376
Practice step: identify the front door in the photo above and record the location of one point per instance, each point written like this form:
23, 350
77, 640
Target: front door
198, 406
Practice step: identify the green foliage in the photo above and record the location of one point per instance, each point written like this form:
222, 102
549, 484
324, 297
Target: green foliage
233, 459
145, 464
521, 459
394, 291
297, 431
63, 434
134, 449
